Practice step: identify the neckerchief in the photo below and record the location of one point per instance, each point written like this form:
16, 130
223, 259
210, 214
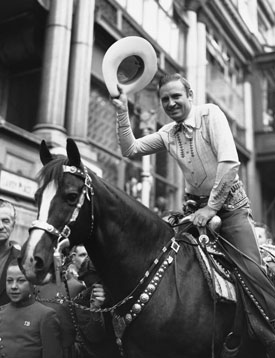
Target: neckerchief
186, 128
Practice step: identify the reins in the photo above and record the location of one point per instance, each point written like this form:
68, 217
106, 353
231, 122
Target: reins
233, 247
63, 236
171, 243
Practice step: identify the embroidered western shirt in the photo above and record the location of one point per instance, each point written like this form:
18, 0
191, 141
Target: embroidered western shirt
208, 160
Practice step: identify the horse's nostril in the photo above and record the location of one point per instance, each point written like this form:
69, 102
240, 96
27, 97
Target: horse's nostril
39, 264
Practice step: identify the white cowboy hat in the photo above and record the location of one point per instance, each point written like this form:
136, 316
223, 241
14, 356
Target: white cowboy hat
130, 62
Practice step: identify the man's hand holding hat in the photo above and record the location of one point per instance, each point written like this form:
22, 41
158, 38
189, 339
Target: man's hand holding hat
140, 71
120, 102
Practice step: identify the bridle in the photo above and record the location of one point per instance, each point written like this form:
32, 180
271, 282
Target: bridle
63, 235
87, 192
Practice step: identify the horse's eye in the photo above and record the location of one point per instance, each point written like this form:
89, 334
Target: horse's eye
72, 198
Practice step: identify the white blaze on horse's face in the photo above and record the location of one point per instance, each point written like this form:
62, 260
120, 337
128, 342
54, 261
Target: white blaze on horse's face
36, 234
46, 200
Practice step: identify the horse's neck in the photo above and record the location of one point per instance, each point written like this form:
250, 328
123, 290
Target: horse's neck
127, 237
123, 255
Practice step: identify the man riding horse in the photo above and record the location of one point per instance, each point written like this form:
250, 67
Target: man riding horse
154, 273
201, 142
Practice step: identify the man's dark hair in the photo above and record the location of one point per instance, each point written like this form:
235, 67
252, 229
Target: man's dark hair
174, 77
6, 203
74, 248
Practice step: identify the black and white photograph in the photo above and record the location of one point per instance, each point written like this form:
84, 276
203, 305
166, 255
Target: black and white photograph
137, 178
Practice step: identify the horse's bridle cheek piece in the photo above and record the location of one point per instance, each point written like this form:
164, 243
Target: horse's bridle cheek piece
63, 235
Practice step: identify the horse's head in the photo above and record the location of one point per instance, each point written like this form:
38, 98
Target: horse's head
63, 186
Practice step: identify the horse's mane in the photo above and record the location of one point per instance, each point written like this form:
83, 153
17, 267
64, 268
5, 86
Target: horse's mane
127, 201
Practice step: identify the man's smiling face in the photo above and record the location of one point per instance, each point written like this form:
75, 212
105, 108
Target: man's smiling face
175, 100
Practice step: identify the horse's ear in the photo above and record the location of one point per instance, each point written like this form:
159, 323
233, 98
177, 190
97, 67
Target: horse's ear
73, 153
45, 154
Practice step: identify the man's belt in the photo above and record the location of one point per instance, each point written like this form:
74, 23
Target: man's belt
201, 200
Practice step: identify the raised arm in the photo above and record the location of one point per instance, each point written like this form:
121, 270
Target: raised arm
130, 146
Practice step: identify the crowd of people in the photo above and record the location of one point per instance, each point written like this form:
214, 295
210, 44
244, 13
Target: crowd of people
61, 320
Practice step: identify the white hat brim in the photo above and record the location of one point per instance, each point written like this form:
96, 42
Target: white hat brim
119, 51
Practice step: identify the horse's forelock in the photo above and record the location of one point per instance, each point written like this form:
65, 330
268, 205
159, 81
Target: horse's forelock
52, 171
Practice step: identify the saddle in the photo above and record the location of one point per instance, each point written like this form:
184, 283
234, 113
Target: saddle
214, 261
225, 281
216, 267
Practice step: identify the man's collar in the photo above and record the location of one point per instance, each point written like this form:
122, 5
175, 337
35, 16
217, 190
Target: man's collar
191, 118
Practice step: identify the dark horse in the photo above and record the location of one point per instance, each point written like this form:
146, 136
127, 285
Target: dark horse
167, 314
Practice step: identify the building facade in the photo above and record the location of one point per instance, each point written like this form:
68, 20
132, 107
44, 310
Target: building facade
52, 87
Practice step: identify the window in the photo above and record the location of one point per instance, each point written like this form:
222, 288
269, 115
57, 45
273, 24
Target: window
225, 78
248, 11
156, 17
164, 32
150, 18
135, 9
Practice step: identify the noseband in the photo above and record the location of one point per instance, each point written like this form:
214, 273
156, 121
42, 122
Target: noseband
87, 191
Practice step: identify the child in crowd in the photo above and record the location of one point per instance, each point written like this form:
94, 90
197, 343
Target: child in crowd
28, 329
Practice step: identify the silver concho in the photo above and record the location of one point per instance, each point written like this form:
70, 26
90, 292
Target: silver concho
136, 308
144, 297
128, 318
151, 287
